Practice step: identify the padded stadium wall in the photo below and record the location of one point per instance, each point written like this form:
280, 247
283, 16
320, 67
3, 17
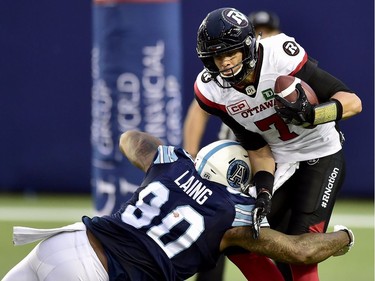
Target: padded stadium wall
48, 61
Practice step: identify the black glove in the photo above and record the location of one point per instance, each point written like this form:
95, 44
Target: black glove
300, 112
262, 209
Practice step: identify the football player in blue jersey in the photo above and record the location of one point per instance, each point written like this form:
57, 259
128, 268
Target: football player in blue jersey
181, 219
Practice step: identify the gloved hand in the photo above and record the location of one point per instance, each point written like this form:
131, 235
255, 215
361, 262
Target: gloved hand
350, 233
300, 113
262, 209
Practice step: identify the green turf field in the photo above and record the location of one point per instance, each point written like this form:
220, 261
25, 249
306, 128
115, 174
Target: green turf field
52, 211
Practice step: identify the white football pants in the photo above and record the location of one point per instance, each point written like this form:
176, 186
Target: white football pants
65, 256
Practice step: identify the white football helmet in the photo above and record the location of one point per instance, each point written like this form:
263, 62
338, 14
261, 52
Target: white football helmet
225, 162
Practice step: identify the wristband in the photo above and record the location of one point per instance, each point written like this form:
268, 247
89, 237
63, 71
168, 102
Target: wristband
263, 181
348, 231
327, 112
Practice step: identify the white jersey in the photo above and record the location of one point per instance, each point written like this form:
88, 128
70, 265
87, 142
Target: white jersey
255, 110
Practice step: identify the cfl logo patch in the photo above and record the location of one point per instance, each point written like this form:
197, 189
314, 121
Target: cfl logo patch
206, 77
291, 48
238, 107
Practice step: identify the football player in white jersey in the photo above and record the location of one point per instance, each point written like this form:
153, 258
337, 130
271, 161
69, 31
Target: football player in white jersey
268, 24
301, 140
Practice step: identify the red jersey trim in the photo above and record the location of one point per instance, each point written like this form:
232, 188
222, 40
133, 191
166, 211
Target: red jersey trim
300, 65
318, 228
207, 102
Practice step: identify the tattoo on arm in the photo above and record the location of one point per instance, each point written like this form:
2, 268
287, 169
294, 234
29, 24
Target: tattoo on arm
308, 248
139, 148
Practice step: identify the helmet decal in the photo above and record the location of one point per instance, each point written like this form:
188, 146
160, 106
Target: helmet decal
235, 17
238, 173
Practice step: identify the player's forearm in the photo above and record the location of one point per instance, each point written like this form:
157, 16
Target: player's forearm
316, 247
192, 138
308, 248
194, 126
262, 160
351, 104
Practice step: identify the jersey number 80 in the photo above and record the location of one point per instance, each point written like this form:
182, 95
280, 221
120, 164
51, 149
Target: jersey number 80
174, 231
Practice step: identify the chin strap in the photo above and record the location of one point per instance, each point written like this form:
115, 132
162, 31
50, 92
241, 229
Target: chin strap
255, 55
257, 41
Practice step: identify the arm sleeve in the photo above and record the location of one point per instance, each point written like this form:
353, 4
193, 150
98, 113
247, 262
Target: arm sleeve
323, 83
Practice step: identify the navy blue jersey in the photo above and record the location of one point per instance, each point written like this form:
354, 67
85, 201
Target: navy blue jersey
172, 226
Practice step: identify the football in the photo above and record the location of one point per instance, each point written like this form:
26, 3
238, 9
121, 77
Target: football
285, 86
